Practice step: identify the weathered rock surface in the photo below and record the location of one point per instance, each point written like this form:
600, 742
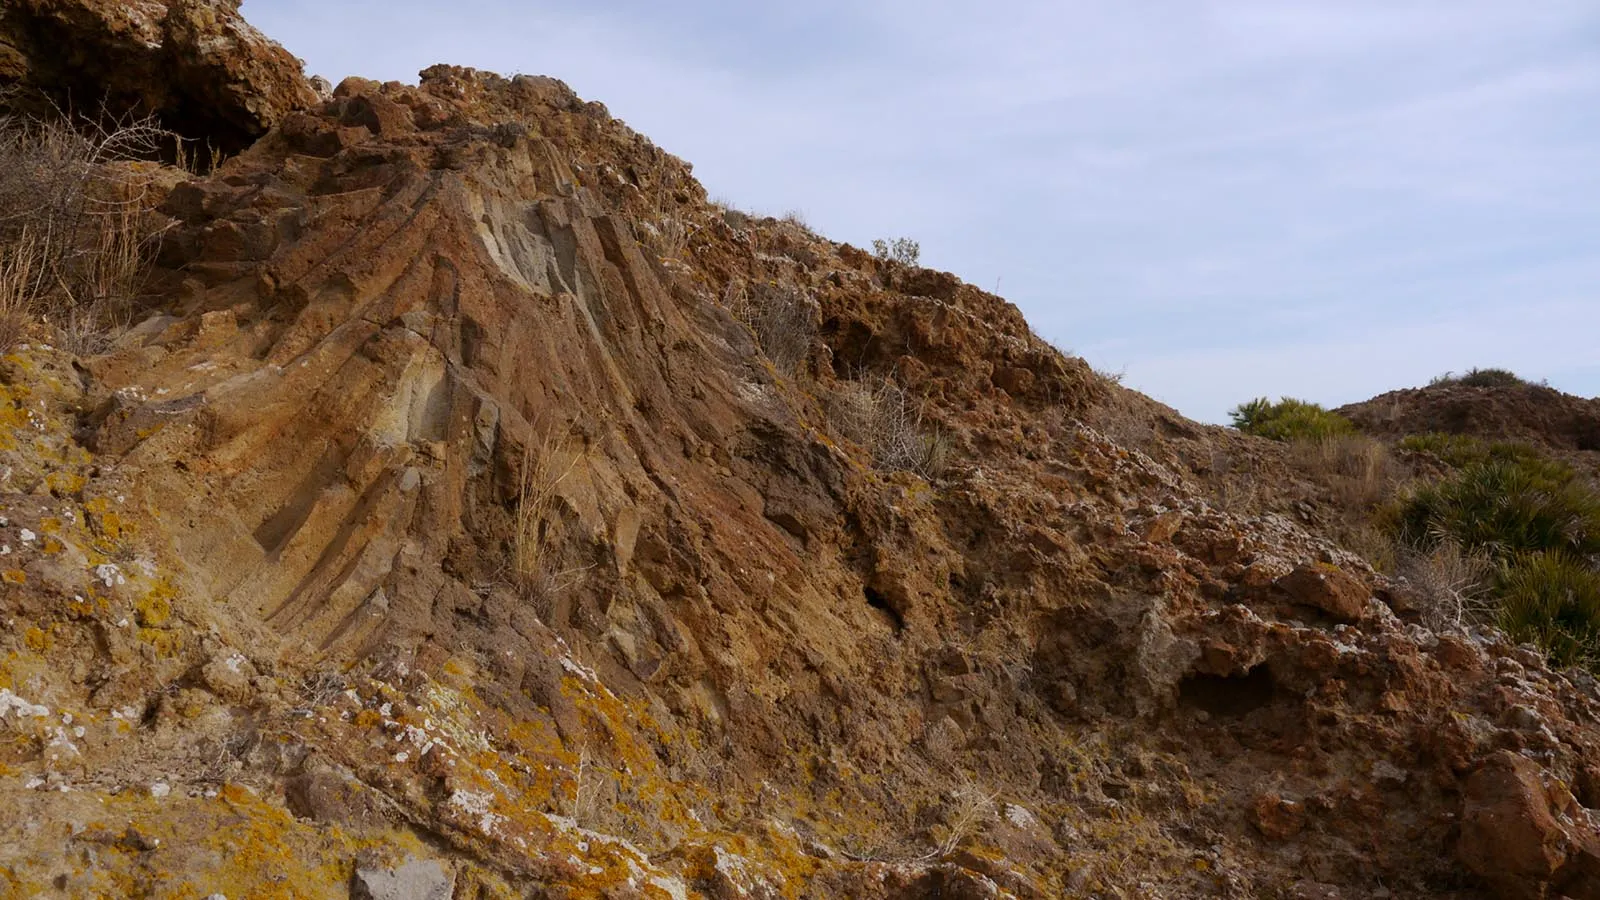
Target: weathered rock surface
1525, 834
416, 879
196, 65
450, 504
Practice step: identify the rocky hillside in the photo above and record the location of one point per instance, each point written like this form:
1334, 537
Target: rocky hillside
1513, 410
471, 509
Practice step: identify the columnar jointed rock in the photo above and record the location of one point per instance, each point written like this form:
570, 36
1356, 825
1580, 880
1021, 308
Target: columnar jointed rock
448, 496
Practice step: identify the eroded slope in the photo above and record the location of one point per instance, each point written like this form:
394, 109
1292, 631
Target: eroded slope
447, 505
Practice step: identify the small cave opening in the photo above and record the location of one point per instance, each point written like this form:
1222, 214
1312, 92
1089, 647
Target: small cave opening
1228, 695
879, 602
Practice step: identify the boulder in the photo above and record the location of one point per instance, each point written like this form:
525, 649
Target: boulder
1327, 589
1525, 835
416, 879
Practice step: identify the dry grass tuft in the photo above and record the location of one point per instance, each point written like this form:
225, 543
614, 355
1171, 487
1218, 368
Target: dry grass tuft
783, 319
1357, 469
971, 809
545, 465
879, 415
75, 228
1450, 584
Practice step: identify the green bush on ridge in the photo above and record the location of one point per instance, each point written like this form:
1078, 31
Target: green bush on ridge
1288, 419
1485, 377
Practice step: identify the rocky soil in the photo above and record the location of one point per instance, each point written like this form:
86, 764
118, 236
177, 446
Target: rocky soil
476, 511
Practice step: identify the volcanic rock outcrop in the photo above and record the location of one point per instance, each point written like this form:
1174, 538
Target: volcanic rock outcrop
472, 499
194, 65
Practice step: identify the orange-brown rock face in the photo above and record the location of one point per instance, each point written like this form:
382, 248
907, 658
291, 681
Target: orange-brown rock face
475, 501
194, 64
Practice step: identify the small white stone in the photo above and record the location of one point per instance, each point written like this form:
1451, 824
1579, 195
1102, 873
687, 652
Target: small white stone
27, 535
160, 789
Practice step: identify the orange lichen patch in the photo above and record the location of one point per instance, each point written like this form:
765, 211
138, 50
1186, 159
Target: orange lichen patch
236, 844
167, 644
14, 417
14, 576
63, 483
154, 607
37, 639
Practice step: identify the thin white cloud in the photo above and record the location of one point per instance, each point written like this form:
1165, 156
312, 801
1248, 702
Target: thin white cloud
1173, 185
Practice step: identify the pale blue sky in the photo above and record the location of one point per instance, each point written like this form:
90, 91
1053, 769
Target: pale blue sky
1223, 199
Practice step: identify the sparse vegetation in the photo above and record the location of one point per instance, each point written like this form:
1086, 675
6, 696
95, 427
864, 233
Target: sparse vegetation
1488, 377
1288, 419
782, 318
1531, 519
73, 225
878, 415
544, 468
901, 250
1355, 467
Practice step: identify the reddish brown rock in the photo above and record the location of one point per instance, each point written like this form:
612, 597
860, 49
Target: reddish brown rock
194, 64
1276, 817
1328, 589
1518, 832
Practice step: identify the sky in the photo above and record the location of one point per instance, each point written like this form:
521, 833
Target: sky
1218, 199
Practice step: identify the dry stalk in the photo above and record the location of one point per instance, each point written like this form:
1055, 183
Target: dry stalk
543, 471
783, 320
74, 231
878, 415
1450, 583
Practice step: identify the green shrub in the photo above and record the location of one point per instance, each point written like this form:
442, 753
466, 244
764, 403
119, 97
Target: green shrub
904, 251
1504, 507
1552, 600
1488, 377
1288, 419
1460, 450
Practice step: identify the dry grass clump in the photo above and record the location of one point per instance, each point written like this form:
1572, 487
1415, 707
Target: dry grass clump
1449, 581
1356, 468
783, 319
971, 808
545, 465
75, 232
878, 415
